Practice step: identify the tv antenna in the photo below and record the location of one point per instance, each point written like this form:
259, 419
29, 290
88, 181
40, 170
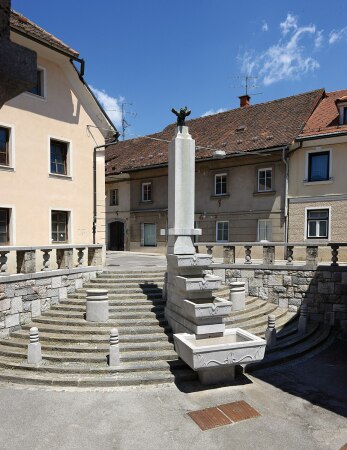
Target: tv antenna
124, 123
249, 83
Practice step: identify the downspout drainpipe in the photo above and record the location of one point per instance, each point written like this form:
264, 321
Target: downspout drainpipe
115, 140
285, 160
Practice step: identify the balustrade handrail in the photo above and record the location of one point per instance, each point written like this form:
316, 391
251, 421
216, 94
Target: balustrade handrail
270, 243
11, 248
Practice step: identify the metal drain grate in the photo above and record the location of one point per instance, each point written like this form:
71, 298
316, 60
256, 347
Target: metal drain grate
221, 415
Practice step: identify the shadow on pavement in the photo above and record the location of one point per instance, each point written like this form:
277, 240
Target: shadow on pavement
320, 379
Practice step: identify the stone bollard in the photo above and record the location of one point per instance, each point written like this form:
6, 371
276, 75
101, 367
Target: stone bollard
270, 333
114, 359
97, 305
302, 326
34, 348
237, 295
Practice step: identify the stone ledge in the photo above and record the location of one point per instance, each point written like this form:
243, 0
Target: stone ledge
48, 274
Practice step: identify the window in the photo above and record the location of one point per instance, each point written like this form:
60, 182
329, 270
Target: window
59, 152
318, 166
344, 116
317, 223
146, 195
60, 226
220, 184
148, 234
4, 226
222, 231
4, 146
264, 230
38, 88
114, 200
265, 180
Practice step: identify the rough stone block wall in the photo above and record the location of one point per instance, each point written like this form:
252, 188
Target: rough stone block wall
25, 299
324, 290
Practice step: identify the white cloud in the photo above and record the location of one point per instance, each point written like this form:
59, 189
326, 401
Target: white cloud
337, 35
319, 39
290, 23
288, 58
111, 105
265, 26
211, 112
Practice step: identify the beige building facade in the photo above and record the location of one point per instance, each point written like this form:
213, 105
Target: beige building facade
317, 180
47, 140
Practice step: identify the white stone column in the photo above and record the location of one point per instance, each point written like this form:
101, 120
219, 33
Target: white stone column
181, 203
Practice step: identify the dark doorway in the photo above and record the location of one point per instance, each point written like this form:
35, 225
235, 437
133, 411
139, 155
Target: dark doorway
116, 236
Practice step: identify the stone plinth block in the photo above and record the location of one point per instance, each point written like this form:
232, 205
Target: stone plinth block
97, 305
237, 295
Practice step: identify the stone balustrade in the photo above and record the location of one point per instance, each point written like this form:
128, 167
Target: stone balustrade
35, 259
288, 250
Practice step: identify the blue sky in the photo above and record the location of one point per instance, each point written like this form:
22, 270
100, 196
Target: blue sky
159, 54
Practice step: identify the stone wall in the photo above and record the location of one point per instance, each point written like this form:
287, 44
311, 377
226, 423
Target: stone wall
323, 289
25, 296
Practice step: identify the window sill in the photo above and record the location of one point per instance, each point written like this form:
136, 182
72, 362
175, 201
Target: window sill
145, 202
42, 98
264, 193
218, 196
6, 168
60, 176
311, 183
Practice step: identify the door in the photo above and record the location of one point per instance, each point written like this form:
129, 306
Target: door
116, 236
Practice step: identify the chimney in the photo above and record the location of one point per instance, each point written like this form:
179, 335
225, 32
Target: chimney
244, 100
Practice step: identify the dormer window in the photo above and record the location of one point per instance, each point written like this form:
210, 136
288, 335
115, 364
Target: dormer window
341, 104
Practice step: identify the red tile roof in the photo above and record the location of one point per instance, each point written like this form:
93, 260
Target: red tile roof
20, 23
325, 118
259, 127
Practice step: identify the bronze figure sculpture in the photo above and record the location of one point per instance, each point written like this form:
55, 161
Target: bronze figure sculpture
181, 115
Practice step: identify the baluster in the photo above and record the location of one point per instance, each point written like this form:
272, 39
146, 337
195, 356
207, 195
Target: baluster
80, 256
290, 250
46, 258
3, 262
248, 254
334, 254
209, 249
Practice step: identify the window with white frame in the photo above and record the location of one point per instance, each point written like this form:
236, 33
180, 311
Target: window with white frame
222, 231
318, 166
265, 230
38, 88
265, 179
5, 146
220, 184
60, 226
5, 226
59, 157
317, 223
148, 234
146, 192
114, 197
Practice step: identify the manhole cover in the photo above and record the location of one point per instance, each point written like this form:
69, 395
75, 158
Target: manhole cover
223, 415
238, 411
209, 418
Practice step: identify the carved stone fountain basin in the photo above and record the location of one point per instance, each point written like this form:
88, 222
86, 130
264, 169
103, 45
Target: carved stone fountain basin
236, 346
195, 284
199, 308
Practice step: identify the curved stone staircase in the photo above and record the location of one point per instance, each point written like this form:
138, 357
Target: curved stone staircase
75, 351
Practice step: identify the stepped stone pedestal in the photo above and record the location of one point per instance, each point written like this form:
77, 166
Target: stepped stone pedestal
195, 315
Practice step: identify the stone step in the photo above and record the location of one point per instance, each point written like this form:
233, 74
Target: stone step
121, 283
132, 307
90, 346
117, 302
115, 296
56, 328
130, 367
133, 275
95, 358
119, 323
124, 290
31, 377
260, 329
247, 315
294, 338
321, 335
113, 314
62, 338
